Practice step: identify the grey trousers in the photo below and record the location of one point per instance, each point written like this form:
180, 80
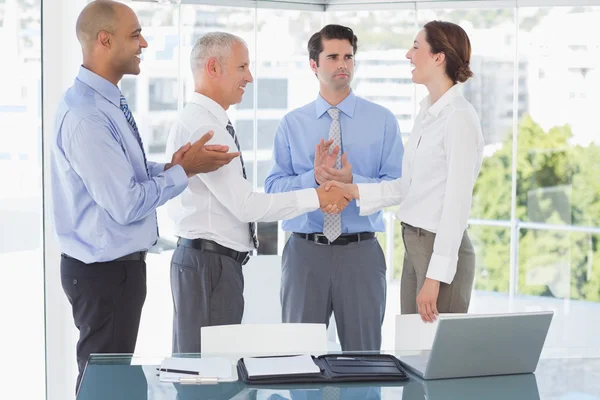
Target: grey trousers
207, 290
454, 297
349, 281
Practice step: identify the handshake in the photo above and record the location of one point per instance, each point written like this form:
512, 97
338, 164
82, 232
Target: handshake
336, 189
335, 196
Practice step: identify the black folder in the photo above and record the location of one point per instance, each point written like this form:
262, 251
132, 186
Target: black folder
336, 368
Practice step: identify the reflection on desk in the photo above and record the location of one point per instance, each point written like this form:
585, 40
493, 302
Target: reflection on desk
119, 382
112, 377
522, 387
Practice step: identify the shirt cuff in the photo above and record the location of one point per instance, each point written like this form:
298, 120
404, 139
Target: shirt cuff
307, 180
308, 200
368, 198
177, 177
442, 268
159, 168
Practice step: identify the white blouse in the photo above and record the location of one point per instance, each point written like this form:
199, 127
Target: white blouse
441, 162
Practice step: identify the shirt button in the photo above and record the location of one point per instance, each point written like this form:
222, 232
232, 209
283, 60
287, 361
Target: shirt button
74, 281
180, 269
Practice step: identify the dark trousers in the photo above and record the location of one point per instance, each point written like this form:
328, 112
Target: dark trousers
107, 300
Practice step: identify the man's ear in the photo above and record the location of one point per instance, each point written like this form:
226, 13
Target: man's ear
213, 68
313, 66
105, 39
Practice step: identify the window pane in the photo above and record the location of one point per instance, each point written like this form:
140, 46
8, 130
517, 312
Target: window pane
557, 165
560, 271
21, 254
558, 139
162, 94
492, 271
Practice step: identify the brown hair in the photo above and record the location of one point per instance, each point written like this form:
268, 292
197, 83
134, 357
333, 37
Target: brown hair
315, 43
452, 40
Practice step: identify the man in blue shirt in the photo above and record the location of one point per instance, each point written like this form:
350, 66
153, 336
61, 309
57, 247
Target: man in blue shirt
105, 193
334, 263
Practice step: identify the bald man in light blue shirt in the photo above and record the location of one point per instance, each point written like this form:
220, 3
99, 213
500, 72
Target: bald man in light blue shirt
104, 190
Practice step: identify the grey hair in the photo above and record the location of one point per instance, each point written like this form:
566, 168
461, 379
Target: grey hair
212, 44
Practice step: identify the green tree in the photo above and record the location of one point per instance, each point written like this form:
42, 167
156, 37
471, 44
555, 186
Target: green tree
556, 184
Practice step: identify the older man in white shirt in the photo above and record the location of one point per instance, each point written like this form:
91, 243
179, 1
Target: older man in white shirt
214, 217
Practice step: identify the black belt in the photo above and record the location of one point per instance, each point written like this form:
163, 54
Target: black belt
137, 256
214, 247
319, 238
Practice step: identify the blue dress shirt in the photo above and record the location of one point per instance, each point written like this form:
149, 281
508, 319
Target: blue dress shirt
370, 138
104, 203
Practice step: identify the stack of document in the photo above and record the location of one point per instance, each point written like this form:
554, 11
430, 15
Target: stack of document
266, 366
197, 370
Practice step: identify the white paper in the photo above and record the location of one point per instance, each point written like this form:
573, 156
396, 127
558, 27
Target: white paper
281, 365
219, 368
413, 334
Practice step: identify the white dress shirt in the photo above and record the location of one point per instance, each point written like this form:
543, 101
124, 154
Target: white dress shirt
441, 162
219, 205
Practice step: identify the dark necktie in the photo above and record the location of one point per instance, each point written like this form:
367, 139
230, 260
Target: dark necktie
237, 144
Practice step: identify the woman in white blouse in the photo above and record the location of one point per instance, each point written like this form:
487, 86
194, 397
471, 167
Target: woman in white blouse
441, 162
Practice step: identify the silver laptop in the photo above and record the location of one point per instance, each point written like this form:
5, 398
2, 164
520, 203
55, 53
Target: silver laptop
482, 345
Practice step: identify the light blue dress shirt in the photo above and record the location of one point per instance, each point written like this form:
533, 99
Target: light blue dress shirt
104, 203
370, 138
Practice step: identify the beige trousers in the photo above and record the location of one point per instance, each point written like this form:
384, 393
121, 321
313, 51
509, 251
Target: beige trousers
454, 297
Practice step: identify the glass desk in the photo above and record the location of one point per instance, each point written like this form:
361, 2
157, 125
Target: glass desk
127, 377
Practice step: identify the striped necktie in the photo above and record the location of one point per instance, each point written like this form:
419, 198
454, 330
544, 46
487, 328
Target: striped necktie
237, 144
131, 121
134, 128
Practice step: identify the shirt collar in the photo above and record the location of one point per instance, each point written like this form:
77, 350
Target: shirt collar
102, 86
436, 108
347, 105
212, 106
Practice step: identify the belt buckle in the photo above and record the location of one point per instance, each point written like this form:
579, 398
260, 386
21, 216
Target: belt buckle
246, 259
318, 236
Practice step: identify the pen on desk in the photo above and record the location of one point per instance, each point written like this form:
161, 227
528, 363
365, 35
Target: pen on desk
178, 371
